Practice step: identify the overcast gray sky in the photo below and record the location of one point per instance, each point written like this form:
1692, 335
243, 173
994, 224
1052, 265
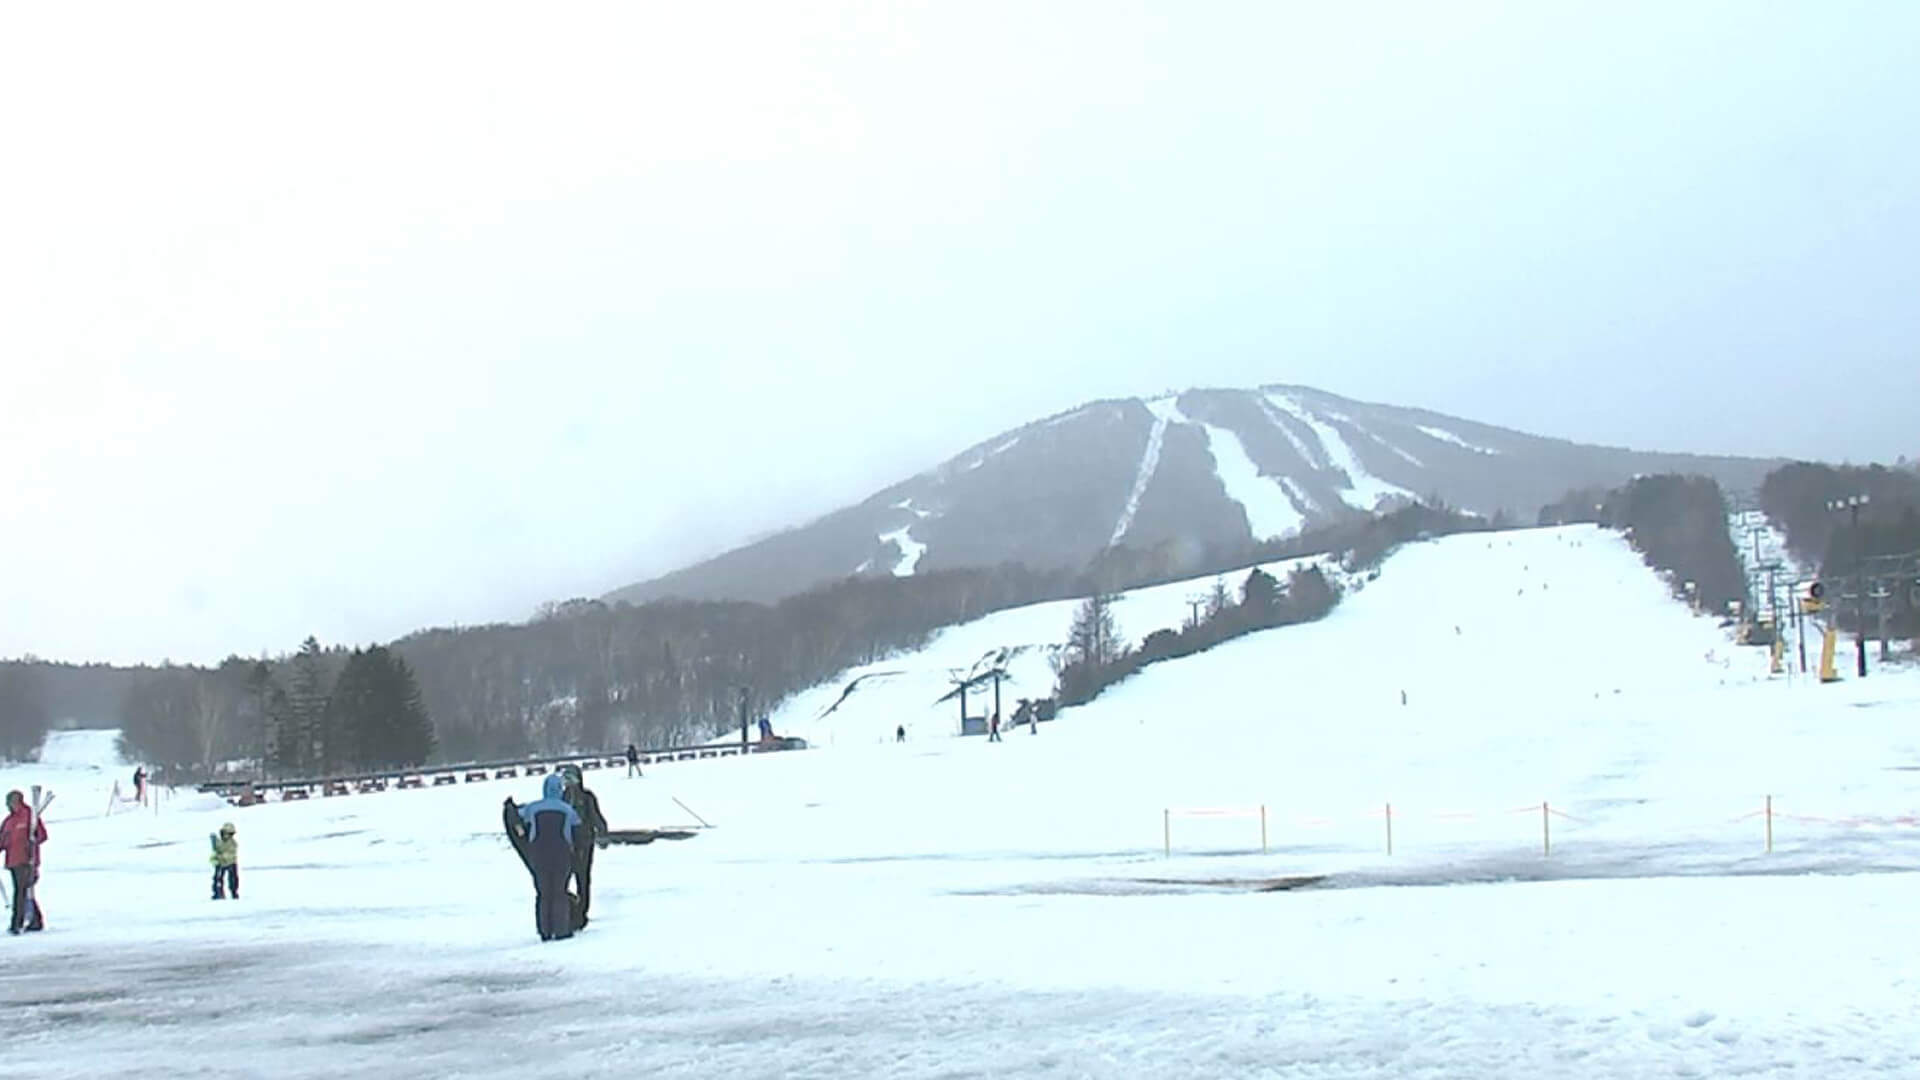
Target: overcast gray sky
348, 319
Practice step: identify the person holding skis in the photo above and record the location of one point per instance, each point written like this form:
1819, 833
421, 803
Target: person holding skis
21, 834
226, 863
587, 805
550, 826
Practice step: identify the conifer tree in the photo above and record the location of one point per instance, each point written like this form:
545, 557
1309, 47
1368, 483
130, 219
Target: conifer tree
305, 747
379, 718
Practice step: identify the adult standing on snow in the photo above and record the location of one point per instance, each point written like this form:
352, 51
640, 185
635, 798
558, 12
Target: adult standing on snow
21, 837
550, 825
633, 761
587, 805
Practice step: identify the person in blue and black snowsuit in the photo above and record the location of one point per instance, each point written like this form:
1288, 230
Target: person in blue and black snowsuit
550, 824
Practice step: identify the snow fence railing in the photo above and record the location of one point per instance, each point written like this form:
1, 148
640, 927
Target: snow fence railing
117, 802
295, 788
1544, 810
1169, 813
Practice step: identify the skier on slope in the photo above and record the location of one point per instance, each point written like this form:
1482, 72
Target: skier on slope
550, 827
587, 805
20, 837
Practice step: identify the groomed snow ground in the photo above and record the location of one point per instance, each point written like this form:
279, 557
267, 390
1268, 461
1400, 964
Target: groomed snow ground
950, 907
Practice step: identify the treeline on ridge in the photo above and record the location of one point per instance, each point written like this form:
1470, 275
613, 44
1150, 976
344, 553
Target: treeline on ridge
1679, 526
1799, 498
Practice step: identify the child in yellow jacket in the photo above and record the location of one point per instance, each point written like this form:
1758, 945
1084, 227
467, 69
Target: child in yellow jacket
226, 863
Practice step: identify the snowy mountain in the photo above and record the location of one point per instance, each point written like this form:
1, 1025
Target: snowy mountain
1190, 471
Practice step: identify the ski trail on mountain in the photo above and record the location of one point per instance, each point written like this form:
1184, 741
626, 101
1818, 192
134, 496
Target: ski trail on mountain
1164, 412
1273, 507
1300, 498
1397, 451
1314, 461
1343, 418
1270, 507
910, 550
1366, 489
1449, 437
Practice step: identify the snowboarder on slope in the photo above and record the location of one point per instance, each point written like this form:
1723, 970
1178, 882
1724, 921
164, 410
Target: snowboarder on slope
587, 805
21, 837
550, 824
226, 863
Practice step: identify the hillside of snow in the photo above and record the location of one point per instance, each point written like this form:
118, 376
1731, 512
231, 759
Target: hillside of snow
81, 765
867, 703
950, 906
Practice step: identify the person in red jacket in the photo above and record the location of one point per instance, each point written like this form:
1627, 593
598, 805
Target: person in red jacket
20, 838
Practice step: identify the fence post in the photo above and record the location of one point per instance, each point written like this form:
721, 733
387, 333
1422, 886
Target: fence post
1263, 828
1389, 828
1546, 836
1769, 824
1166, 830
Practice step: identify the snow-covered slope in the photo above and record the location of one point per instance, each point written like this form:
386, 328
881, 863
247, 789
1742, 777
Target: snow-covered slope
952, 906
91, 779
83, 749
867, 703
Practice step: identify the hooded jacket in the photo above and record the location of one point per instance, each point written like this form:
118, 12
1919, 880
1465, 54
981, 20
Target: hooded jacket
587, 805
13, 837
550, 803
226, 848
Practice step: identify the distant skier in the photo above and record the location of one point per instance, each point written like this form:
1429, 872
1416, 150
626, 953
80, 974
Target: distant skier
550, 824
993, 728
586, 804
900, 733
140, 784
20, 837
633, 761
226, 862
